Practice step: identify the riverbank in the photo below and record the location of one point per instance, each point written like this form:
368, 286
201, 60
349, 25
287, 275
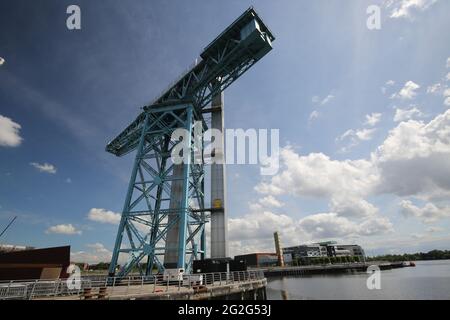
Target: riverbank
329, 268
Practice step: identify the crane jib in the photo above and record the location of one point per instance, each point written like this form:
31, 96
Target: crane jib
221, 63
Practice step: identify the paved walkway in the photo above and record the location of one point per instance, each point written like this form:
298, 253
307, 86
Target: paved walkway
150, 291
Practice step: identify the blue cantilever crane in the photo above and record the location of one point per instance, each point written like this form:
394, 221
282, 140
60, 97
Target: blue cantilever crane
164, 213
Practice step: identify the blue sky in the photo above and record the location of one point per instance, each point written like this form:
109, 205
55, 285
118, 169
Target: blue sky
346, 99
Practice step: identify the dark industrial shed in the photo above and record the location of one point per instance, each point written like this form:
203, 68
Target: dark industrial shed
258, 259
49, 263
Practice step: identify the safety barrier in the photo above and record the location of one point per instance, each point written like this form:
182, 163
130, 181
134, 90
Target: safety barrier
113, 286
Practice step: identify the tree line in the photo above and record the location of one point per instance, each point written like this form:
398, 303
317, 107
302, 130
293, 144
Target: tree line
430, 255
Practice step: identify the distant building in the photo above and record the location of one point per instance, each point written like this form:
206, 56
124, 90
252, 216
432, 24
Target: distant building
287, 257
350, 250
259, 259
324, 249
306, 251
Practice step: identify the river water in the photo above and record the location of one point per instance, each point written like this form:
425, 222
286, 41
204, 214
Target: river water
428, 280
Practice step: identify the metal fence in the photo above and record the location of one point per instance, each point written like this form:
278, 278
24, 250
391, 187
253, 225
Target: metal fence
132, 285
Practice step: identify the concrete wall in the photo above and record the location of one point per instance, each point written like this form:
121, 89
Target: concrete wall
219, 221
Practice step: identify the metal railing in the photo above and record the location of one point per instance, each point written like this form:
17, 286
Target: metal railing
116, 287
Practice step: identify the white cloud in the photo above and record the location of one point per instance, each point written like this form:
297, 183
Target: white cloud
253, 232
327, 225
269, 188
415, 138
403, 243
446, 92
408, 92
330, 225
317, 175
372, 119
413, 160
344, 183
448, 62
9, 132
97, 253
255, 206
428, 214
434, 229
46, 167
365, 134
270, 202
104, 216
67, 229
346, 134
446, 95
259, 225
2, 61
361, 134
324, 101
327, 99
434, 88
406, 114
447, 77
352, 206
264, 204
314, 115
447, 101
355, 137
98, 247
407, 8
390, 82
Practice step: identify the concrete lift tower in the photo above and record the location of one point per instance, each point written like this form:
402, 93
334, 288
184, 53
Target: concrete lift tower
164, 215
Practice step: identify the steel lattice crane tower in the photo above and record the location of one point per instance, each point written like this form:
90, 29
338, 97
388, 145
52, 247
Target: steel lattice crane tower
164, 215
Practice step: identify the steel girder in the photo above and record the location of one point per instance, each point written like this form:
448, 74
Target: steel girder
150, 212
